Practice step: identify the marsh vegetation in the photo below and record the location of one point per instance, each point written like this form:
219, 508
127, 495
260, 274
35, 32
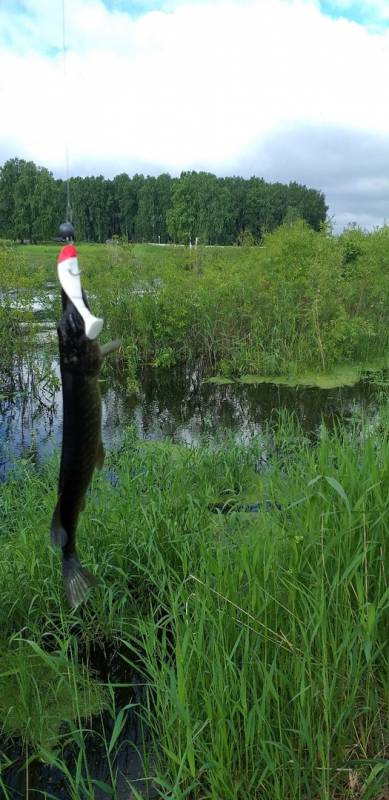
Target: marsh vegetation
236, 643
304, 300
260, 639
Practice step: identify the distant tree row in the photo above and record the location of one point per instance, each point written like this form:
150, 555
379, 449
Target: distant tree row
195, 205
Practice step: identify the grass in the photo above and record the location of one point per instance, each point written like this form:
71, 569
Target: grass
261, 639
302, 302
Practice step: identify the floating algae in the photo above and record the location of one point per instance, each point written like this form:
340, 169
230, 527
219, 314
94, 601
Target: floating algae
40, 691
343, 375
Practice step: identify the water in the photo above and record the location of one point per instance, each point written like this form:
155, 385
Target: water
127, 758
175, 404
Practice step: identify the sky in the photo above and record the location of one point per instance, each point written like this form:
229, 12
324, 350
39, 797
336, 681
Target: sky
288, 90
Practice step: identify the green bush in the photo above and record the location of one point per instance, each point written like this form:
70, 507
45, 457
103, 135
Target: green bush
303, 300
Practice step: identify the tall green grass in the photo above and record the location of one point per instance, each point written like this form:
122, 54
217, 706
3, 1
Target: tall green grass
303, 300
261, 639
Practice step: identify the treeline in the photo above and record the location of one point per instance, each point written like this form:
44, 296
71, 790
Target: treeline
154, 209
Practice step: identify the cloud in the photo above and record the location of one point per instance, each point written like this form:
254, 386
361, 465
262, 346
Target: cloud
202, 85
347, 165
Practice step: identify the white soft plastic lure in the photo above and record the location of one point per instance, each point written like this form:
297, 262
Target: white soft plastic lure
69, 278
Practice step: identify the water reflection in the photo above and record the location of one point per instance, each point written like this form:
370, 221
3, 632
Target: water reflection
175, 404
30, 399
185, 407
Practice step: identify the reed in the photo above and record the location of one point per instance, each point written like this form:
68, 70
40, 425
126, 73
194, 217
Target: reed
260, 638
304, 300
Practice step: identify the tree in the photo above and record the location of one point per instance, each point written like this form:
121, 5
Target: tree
199, 208
44, 212
146, 218
9, 176
195, 205
163, 192
33, 215
182, 215
258, 218
235, 221
124, 202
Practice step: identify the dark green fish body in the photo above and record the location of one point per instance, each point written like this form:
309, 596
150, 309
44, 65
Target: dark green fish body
82, 449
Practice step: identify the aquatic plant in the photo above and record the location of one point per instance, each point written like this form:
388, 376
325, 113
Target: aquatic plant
39, 691
303, 301
260, 637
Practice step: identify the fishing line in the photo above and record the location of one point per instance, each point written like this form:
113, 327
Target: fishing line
66, 127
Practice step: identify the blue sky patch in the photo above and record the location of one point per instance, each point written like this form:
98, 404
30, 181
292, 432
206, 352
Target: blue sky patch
13, 7
136, 8
358, 11
364, 12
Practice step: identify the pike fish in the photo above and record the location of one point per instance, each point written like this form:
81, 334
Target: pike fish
82, 448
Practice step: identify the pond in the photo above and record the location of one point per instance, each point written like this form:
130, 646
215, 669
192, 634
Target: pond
176, 404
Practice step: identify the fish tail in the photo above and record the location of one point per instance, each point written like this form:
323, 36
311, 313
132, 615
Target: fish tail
77, 580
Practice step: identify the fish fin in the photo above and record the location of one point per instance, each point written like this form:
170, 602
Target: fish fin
100, 456
59, 536
105, 349
77, 580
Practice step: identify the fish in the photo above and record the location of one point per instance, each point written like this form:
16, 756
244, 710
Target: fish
82, 447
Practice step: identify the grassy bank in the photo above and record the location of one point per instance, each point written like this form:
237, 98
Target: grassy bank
261, 638
303, 300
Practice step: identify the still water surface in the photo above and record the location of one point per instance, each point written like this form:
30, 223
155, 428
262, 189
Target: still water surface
173, 404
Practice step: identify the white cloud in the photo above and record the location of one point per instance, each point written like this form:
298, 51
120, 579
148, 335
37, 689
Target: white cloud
197, 87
